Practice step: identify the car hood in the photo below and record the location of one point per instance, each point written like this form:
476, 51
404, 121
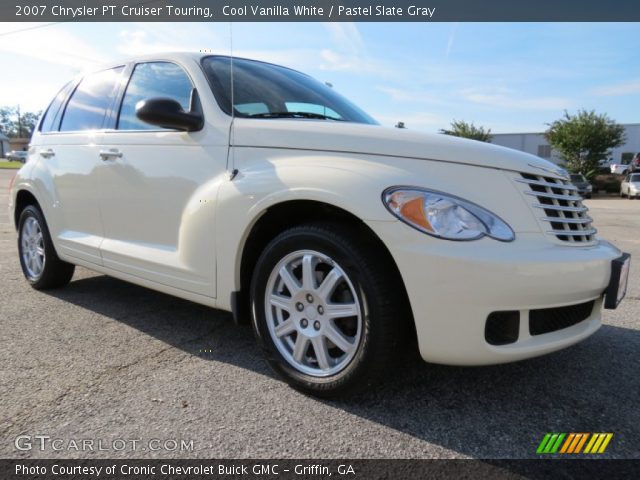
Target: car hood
322, 135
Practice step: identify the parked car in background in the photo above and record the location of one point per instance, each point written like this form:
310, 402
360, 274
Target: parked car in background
16, 156
582, 184
253, 188
619, 168
624, 168
630, 186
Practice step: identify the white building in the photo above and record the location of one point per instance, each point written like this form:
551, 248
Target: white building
536, 144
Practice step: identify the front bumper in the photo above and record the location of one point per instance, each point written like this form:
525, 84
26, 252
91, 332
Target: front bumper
454, 286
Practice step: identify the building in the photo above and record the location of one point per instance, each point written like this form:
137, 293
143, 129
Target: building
20, 143
4, 145
536, 144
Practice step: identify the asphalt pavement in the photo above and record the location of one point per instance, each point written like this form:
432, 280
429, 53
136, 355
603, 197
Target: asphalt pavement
117, 364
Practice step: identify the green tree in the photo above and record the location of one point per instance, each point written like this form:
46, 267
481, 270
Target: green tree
17, 124
584, 139
460, 128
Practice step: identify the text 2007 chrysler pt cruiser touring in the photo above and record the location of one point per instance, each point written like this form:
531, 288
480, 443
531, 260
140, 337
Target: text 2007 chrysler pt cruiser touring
279, 200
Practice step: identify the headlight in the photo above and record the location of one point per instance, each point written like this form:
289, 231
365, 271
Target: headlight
443, 215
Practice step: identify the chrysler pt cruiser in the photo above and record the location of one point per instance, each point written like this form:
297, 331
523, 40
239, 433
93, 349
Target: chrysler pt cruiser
255, 189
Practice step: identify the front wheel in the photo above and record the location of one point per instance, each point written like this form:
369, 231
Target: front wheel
328, 309
40, 264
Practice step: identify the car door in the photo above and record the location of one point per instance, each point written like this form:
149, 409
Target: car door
624, 188
158, 187
69, 151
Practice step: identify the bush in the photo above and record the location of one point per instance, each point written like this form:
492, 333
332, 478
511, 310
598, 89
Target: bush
608, 183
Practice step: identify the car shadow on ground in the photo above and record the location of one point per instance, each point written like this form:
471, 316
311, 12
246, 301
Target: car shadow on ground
487, 412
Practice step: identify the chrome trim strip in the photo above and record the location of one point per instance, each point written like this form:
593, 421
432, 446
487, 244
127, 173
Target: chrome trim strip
574, 233
580, 220
560, 208
568, 198
540, 183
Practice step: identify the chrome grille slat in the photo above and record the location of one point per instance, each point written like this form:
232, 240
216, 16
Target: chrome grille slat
556, 196
565, 217
572, 188
582, 220
574, 233
560, 208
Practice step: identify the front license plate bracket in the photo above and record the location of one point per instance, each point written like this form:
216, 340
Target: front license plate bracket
617, 288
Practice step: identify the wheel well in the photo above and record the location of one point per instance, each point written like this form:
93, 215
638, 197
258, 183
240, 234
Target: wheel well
283, 216
24, 198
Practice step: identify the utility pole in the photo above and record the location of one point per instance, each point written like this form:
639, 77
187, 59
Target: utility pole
19, 122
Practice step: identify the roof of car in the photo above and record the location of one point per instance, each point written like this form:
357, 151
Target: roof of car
176, 56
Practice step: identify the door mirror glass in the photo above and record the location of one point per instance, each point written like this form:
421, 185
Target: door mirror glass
168, 113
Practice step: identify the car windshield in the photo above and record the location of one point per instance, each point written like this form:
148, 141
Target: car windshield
263, 90
576, 177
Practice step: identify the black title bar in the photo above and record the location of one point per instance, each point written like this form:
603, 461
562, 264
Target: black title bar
321, 11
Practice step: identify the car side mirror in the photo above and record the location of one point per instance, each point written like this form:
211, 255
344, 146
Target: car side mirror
167, 113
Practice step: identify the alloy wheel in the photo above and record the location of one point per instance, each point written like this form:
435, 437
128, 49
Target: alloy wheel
313, 313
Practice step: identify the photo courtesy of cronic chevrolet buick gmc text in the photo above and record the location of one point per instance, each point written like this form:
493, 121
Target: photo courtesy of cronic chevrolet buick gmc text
253, 188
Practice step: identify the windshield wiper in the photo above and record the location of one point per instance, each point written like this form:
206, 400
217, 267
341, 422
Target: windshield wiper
294, 115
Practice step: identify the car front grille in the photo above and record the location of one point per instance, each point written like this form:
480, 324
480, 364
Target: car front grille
548, 320
564, 214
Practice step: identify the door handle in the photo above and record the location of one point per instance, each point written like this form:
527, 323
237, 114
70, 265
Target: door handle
110, 154
48, 153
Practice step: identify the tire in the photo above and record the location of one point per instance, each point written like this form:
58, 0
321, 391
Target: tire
367, 301
39, 261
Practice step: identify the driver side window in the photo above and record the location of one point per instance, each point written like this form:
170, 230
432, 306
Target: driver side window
153, 80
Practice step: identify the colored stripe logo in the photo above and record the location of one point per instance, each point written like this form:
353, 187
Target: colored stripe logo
573, 443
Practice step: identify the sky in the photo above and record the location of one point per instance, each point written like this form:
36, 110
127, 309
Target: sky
509, 77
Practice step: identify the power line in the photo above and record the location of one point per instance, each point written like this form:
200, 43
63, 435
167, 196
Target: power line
34, 27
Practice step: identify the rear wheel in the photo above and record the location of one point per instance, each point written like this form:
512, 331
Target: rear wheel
40, 264
327, 309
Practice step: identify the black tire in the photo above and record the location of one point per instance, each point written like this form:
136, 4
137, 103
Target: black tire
386, 320
55, 273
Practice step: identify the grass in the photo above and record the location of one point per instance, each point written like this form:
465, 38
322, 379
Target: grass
8, 164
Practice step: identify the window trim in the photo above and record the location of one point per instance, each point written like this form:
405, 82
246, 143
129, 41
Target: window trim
67, 89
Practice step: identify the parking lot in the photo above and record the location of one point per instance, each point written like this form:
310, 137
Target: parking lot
105, 360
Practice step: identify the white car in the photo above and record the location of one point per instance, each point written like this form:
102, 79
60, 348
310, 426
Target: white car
342, 241
619, 168
630, 186
16, 156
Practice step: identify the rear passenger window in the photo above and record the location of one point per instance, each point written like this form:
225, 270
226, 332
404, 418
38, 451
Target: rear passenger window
91, 100
51, 118
153, 80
